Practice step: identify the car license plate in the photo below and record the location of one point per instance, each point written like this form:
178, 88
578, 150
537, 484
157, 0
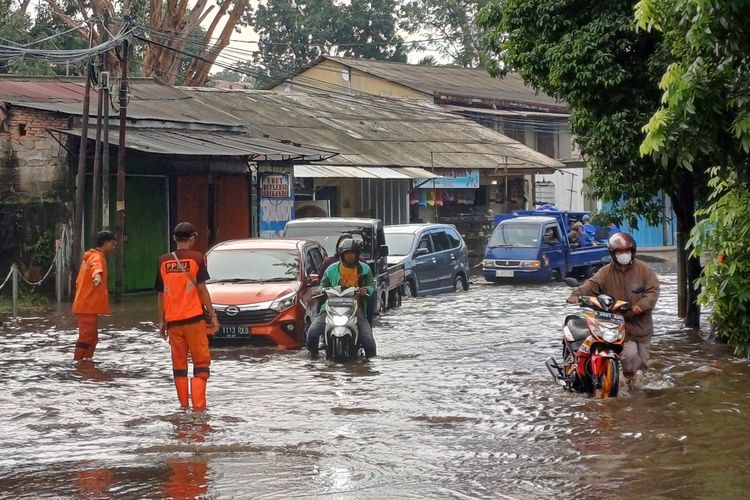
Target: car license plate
235, 331
503, 274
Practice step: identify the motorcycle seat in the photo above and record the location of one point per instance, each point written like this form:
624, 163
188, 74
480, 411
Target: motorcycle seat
578, 328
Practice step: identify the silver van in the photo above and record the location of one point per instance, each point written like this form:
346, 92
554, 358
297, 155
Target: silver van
435, 257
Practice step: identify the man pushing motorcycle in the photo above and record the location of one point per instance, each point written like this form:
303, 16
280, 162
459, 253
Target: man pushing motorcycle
633, 281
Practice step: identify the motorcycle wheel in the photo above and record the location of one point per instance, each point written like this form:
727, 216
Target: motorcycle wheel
342, 350
611, 379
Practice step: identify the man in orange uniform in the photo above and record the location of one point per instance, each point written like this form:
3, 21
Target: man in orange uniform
92, 298
182, 297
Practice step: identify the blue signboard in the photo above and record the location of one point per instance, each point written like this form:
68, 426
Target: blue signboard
452, 178
276, 203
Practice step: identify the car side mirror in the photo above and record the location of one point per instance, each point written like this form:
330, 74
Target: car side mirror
313, 280
384, 250
422, 251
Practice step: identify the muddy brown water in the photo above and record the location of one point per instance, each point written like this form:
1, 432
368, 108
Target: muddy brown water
458, 405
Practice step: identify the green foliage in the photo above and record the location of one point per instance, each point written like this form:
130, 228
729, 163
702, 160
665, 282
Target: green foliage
723, 237
590, 55
292, 34
705, 113
451, 27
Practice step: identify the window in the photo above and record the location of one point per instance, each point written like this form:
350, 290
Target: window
441, 241
551, 236
316, 258
454, 238
425, 242
546, 140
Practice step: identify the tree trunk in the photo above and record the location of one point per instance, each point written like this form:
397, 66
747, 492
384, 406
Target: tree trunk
689, 268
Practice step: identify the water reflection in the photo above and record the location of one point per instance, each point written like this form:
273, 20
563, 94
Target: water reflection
458, 404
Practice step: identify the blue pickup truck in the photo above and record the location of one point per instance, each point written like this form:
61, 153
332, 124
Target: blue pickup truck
533, 246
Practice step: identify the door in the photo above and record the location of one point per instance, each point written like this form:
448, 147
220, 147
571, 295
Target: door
553, 249
444, 265
192, 206
146, 232
232, 216
458, 256
425, 265
313, 260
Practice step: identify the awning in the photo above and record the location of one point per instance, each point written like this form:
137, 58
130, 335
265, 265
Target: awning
184, 142
363, 172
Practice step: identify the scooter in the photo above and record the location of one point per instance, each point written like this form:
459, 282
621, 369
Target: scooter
341, 339
592, 343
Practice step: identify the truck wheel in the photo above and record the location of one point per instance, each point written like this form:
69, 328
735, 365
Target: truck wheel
411, 288
383, 301
554, 276
460, 283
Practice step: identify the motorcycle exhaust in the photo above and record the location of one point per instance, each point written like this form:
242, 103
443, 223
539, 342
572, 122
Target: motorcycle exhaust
556, 371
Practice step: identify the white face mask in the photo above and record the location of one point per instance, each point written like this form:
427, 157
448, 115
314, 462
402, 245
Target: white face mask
624, 258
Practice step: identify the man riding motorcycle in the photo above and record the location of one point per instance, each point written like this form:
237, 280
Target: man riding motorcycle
619, 280
346, 274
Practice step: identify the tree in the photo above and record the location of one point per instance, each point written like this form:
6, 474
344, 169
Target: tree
292, 34
450, 25
171, 24
592, 57
704, 120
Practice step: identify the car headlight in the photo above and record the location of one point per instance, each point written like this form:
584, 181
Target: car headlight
531, 264
339, 320
488, 263
285, 302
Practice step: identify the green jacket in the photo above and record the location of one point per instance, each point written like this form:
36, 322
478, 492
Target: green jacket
332, 279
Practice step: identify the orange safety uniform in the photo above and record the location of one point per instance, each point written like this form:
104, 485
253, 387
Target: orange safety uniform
183, 312
90, 301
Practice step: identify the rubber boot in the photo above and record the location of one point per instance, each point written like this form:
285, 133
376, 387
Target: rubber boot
198, 390
81, 351
181, 384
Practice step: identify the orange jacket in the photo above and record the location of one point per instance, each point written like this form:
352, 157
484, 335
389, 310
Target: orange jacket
181, 301
91, 299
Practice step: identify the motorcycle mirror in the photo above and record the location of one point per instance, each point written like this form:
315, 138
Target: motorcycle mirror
572, 282
638, 289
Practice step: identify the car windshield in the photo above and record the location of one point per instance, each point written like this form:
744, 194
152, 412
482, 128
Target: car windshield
328, 235
253, 265
515, 235
399, 243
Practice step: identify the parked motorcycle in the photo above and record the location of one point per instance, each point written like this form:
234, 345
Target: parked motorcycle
592, 343
341, 339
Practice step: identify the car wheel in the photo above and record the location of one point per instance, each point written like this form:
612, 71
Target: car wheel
460, 283
411, 288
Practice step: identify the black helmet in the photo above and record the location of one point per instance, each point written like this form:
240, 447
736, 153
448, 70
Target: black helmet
349, 245
619, 242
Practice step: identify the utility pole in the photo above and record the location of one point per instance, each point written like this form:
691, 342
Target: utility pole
81, 174
105, 138
120, 209
96, 179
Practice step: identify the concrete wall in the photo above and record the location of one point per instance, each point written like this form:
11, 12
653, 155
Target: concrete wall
31, 161
336, 77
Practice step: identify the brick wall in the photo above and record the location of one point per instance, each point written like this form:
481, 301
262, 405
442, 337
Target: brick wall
31, 161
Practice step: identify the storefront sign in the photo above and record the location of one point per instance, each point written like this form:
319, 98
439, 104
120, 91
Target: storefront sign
276, 203
452, 178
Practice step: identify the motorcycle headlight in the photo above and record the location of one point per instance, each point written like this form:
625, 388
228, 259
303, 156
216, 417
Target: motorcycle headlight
285, 302
610, 333
339, 320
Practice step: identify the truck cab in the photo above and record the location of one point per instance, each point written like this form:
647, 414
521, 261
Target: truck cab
327, 230
534, 247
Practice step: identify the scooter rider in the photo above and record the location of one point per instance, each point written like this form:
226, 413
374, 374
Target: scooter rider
346, 274
618, 280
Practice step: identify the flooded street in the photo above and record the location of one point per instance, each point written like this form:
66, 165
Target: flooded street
458, 405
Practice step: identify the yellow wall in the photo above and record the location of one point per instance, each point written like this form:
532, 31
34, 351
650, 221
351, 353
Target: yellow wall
330, 75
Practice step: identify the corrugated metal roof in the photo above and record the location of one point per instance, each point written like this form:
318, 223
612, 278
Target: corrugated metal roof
204, 143
149, 100
446, 80
362, 172
377, 131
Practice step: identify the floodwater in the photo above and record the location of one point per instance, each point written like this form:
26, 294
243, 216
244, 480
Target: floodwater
458, 405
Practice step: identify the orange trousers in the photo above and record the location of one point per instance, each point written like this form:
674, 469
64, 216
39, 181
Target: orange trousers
190, 339
88, 336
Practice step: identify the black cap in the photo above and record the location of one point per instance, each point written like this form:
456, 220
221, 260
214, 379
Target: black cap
184, 229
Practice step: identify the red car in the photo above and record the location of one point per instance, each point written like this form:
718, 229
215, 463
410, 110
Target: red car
264, 290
